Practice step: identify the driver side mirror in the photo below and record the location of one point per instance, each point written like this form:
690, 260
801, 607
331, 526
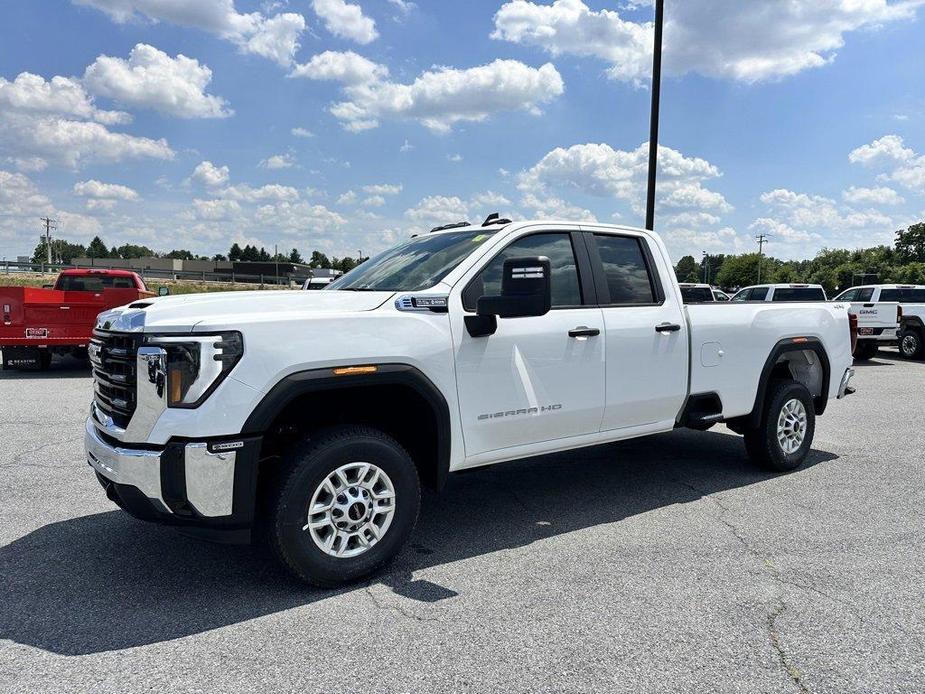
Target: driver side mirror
526, 290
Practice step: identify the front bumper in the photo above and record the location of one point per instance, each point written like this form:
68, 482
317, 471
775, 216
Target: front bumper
208, 484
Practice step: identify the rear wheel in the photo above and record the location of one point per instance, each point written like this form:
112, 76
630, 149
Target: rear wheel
784, 435
345, 506
866, 349
911, 345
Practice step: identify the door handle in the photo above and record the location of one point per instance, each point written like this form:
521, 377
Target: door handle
583, 331
667, 328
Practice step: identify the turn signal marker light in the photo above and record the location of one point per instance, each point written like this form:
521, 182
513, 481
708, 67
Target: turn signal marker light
355, 370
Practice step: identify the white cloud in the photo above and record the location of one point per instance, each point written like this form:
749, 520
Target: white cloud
298, 218
551, 207
438, 209
152, 79
209, 174
490, 199
872, 196
406, 147
889, 148
748, 41
29, 164
109, 191
904, 165
276, 38
781, 231
278, 161
214, 210
403, 6
56, 121
439, 97
100, 204
599, 170
62, 96
341, 66
347, 198
457, 157
302, 132
383, 189
346, 20
271, 192
374, 201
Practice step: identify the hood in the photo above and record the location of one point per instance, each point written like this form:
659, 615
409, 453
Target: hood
228, 310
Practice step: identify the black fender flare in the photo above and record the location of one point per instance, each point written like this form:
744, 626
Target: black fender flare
912, 323
783, 347
302, 383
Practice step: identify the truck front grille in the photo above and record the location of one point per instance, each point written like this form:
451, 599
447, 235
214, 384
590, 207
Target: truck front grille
112, 356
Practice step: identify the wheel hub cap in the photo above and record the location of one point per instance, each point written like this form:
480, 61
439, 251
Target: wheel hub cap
909, 345
791, 426
351, 509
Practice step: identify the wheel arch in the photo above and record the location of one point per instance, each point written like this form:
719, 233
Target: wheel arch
397, 398
788, 359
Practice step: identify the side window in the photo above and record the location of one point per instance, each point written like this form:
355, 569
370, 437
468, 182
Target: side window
865, 294
742, 296
758, 294
625, 268
889, 295
850, 295
557, 246
915, 296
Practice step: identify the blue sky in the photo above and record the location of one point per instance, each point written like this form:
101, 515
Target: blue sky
347, 125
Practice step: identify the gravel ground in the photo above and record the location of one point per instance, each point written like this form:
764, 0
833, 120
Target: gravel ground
664, 564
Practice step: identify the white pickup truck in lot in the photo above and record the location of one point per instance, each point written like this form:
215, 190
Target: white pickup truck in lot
879, 308
912, 331
314, 417
780, 293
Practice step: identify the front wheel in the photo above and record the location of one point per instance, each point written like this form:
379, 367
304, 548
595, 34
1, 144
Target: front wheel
911, 345
784, 435
345, 506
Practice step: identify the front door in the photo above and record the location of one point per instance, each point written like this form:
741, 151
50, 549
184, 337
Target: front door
531, 381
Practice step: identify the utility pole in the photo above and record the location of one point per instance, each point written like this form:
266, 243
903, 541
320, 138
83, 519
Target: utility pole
761, 239
706, 268
49, 225
653, 114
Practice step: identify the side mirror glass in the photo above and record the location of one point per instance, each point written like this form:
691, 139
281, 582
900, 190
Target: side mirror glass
163, 291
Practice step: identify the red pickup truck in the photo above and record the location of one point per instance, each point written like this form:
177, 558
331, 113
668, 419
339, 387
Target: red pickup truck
37, 323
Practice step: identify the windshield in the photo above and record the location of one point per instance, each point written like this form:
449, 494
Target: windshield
415, 264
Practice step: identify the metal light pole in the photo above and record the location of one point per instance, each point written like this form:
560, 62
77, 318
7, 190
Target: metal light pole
706, 268
653, 115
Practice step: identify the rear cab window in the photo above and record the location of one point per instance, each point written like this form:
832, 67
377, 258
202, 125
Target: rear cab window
696, 295
798, 294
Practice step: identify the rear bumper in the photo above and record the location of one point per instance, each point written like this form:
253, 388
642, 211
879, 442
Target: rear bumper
844, 387
195, 484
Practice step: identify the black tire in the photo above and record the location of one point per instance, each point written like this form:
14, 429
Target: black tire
307, 466
866, 349
762, 443
911, 344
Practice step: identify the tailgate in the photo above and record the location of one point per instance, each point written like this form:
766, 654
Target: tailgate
881, 315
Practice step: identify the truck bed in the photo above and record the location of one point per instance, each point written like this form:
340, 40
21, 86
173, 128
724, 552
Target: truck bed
730, 344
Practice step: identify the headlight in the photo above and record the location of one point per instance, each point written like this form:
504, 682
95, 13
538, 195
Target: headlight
196, 364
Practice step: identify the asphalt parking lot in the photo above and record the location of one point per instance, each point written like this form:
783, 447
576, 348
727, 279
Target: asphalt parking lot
663, 564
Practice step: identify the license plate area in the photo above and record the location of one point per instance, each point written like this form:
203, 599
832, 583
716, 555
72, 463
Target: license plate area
36, 333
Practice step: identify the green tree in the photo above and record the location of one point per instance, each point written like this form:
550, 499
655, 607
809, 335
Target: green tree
61, 251
181, 254
742, 270
219, 258
295, 256
131, 250
347, 264
235, 253
910, 243
319, 260
97, 249
686, 269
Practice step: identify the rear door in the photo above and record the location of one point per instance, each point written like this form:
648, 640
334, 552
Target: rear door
647, 336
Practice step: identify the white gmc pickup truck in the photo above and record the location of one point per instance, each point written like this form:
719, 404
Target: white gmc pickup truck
314, 417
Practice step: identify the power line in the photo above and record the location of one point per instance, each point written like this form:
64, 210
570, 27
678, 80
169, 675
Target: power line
761, 239
49, 225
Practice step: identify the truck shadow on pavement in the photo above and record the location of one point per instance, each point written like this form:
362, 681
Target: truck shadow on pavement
107, 582
61, 367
